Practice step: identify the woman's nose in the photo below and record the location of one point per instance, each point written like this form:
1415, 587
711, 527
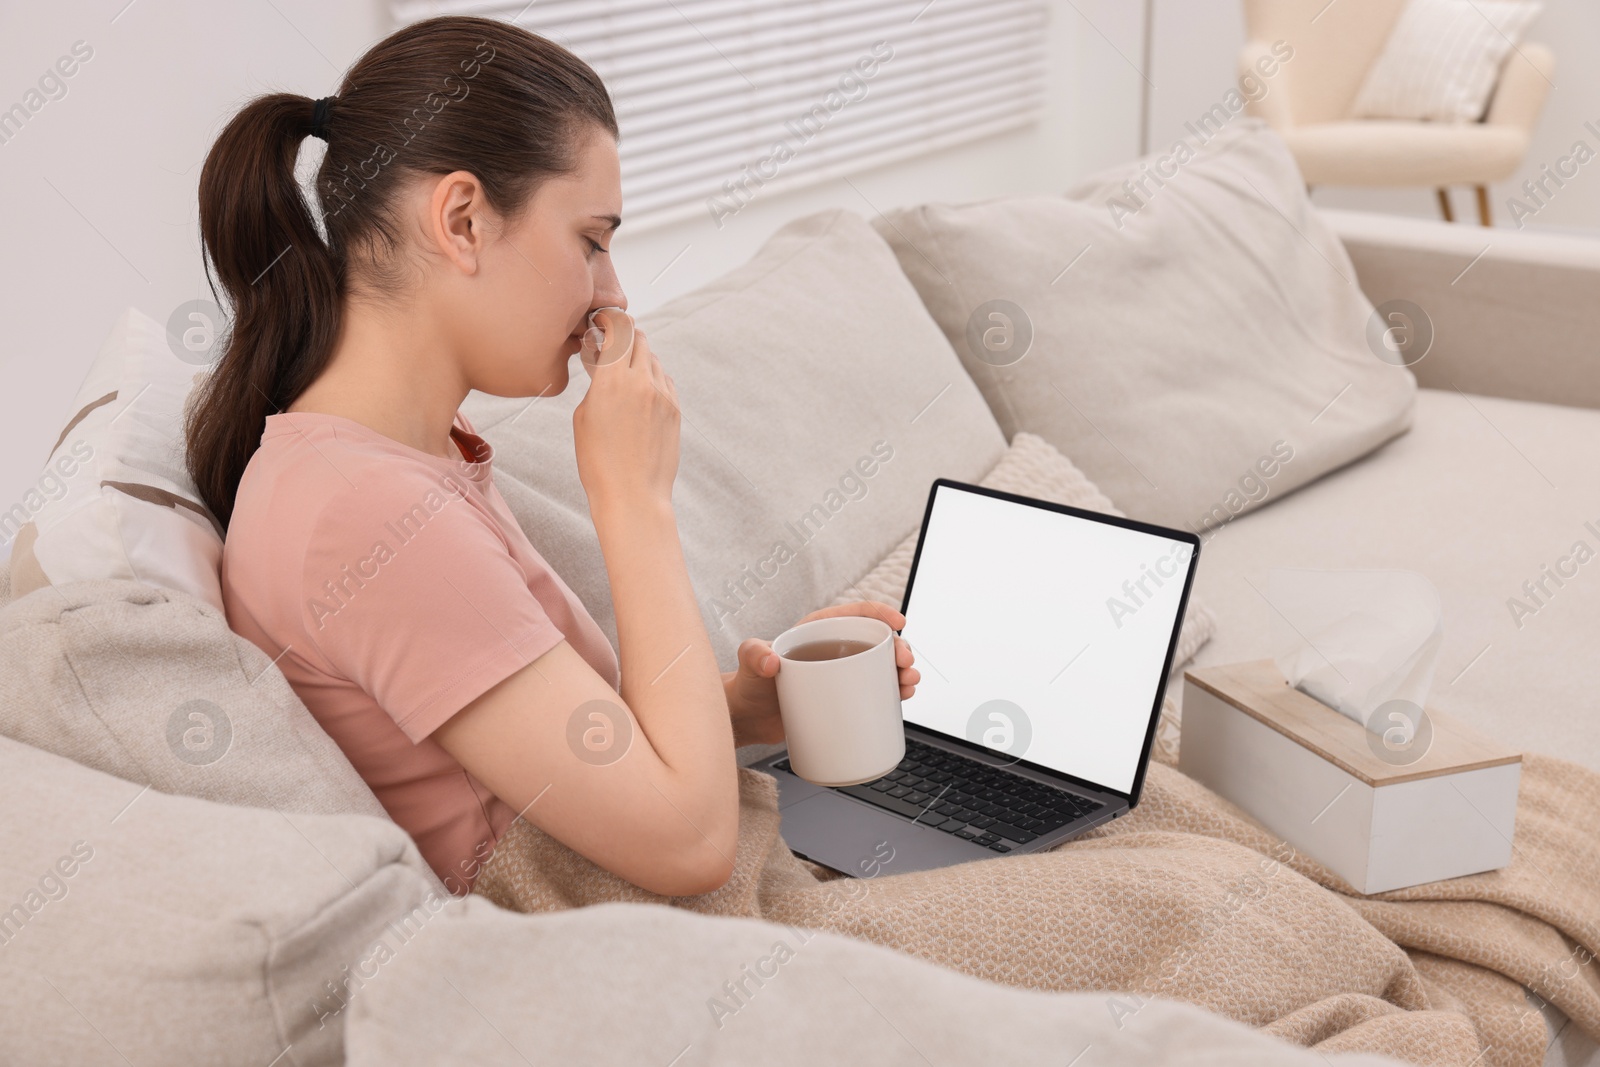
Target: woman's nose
608, 290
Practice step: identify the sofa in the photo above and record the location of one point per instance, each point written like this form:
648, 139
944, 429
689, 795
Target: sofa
244, 899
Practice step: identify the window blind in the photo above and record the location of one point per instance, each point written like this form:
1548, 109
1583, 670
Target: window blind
721, 102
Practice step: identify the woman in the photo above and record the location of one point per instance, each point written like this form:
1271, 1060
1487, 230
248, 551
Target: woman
470, 187
468, 194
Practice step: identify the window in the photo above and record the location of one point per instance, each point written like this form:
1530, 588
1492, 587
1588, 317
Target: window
724, 101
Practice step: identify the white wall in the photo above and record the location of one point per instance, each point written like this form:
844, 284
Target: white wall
1196, 42
99, 186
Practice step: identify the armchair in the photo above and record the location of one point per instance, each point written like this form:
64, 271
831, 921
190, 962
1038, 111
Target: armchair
1309, 107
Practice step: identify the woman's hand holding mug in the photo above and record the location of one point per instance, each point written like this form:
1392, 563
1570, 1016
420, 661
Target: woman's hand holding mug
753, 688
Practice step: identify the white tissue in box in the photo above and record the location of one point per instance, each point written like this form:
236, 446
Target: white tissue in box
1379, 819
1357, 639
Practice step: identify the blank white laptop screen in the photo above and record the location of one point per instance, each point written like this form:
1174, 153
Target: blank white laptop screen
1040, 634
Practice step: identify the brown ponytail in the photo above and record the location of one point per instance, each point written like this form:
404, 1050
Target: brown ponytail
444, 94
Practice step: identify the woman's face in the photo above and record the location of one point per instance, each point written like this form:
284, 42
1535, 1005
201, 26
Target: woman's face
540, 276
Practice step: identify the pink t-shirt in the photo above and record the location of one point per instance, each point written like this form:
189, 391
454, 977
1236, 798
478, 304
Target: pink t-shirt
392, 587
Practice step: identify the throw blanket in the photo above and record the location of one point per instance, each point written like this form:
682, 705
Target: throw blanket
1191, 899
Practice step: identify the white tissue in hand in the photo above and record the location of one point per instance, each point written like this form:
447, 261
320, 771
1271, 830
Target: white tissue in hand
1355, 639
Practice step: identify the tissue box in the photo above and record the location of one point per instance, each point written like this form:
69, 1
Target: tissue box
1312, 776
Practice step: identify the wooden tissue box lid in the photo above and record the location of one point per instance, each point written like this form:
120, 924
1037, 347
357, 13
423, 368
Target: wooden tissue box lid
1259, 690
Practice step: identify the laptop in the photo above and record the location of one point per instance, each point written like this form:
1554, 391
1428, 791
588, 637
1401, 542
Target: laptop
1044, 635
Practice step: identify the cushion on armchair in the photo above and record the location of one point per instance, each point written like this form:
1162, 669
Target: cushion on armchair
1442, 59
1185, 328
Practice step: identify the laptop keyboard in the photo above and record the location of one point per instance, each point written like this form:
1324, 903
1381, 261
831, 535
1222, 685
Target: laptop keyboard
974, 801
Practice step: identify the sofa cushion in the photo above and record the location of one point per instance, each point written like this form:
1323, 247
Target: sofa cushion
643, 984
818, 400
1494, 500
151, 686
145, 928
1195, 348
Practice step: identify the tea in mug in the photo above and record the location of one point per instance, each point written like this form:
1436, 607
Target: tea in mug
830, 648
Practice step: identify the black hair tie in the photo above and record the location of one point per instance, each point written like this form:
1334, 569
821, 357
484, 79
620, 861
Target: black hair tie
319, 117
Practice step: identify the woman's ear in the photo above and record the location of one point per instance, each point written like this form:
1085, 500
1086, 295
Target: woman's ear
457, 222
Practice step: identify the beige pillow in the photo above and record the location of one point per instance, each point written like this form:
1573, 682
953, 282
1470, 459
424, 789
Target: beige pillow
1196, 349
151, 929
1031, 467
151, 686
1442, 60
819, 402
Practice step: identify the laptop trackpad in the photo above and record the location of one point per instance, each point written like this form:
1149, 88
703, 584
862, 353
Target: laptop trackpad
865, 842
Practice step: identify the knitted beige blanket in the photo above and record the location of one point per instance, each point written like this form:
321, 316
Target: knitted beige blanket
1187, 897
1191, 899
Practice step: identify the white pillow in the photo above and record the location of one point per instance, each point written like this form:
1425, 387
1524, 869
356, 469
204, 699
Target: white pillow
115, 500
1442, 60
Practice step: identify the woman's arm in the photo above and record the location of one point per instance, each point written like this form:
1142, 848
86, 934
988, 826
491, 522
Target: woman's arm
660, 807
